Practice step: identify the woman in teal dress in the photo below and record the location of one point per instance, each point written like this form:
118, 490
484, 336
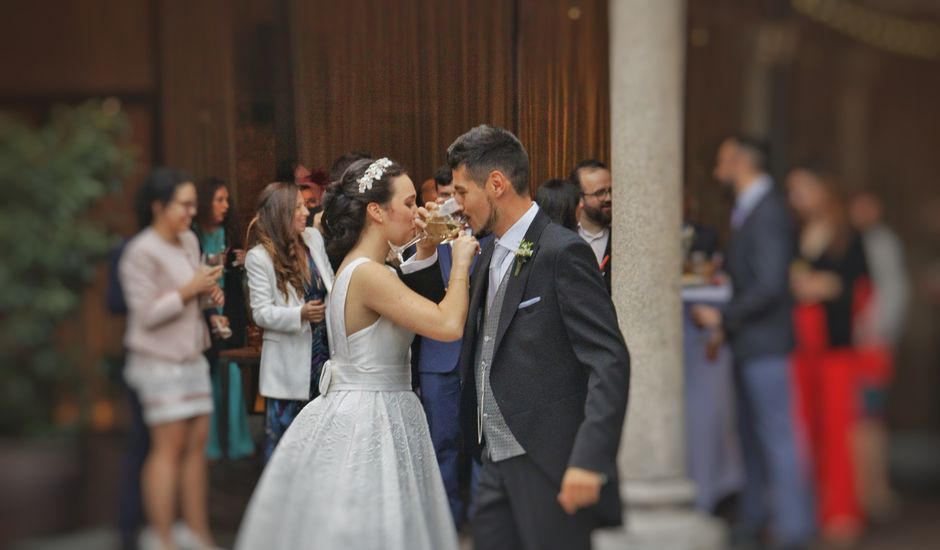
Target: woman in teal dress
217, 234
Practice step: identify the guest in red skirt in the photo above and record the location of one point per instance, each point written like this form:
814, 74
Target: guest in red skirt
832, 261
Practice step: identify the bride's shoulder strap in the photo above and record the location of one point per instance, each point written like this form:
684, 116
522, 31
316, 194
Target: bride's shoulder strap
347, 271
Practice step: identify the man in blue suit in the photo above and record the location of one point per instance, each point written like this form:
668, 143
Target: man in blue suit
440, 380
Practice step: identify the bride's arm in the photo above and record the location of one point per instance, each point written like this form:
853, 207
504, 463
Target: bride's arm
385, 294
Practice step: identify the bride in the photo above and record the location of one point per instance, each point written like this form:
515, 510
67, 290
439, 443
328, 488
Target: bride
356, 470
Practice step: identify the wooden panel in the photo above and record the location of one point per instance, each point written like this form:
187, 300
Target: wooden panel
117, 211
563, 92
718, 51
402, 82
258, 64
52, 47
197, 85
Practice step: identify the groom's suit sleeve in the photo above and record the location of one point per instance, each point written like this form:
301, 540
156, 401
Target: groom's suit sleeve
591, 323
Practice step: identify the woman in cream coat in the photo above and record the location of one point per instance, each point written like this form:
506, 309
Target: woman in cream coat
289, 276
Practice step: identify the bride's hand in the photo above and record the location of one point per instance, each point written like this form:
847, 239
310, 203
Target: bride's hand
465, 248
426, 246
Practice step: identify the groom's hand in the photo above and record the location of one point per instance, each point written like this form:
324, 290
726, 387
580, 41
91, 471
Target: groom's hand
579, 489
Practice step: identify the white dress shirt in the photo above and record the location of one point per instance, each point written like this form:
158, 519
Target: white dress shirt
598, 241
510, 241
747, 201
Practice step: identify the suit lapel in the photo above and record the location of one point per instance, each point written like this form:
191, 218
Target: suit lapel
315, 246
480, 277
517, 283
478, 284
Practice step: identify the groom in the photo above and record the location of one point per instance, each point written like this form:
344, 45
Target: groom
544, 368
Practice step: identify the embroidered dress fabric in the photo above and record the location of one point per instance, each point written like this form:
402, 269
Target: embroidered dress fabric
356, 470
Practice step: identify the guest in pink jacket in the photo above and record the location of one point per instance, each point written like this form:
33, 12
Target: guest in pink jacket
166, 288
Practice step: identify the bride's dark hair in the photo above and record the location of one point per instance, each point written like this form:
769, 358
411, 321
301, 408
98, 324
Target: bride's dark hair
344, 207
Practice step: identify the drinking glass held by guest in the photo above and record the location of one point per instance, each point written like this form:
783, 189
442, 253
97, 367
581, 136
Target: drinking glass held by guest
219, 236
289, 276
165, 338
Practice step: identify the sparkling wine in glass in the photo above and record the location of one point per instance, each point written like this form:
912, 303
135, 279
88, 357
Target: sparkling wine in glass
445, 228
210, 261
446, 223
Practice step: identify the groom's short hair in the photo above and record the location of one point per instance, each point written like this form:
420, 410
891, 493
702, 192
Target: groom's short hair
487, 148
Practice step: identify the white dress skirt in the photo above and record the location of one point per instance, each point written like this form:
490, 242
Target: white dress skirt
356, 470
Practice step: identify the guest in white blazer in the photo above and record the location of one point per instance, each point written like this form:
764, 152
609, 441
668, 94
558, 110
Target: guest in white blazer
289, 276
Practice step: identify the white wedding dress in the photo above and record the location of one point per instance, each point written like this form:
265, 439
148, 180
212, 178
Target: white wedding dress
356, 470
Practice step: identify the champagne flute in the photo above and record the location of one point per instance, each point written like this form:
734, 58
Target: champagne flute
210, 261
444, 224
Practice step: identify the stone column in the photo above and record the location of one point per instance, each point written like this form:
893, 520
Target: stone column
647, 51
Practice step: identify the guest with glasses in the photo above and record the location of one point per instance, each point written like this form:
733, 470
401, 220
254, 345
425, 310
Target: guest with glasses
166, 336
593, 179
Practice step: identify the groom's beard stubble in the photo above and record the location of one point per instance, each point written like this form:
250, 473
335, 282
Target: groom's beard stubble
490, 220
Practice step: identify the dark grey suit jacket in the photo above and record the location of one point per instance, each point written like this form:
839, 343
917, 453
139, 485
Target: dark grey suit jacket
561, 369
759, 318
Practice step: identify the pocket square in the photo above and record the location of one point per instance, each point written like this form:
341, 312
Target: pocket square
530, 302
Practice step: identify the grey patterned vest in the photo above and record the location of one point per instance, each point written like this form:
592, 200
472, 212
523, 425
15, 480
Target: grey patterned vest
500, 443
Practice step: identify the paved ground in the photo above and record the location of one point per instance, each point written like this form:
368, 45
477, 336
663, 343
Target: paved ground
917, 526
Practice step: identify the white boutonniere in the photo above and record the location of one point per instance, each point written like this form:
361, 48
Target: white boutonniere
522, 256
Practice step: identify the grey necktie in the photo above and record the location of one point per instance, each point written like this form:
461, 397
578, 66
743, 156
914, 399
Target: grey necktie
495, 272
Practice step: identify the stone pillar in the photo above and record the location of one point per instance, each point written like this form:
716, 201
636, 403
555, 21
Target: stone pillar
647, 51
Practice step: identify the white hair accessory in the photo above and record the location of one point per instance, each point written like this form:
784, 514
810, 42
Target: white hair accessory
374, 172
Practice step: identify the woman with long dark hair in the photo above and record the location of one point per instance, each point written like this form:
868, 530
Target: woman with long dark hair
559, 199
215, 226
289, 278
